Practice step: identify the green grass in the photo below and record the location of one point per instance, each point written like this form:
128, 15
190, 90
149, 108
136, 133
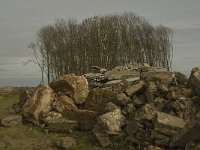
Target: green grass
28, 137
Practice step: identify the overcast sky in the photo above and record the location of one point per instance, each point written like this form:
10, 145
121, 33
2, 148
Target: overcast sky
21, 19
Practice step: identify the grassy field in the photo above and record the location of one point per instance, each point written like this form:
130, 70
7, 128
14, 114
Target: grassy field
28, 137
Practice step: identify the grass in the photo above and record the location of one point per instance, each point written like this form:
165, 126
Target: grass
28, 137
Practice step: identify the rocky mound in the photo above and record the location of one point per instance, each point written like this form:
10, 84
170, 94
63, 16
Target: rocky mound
139, 106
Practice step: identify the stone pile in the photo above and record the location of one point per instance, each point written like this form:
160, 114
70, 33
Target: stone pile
138, 106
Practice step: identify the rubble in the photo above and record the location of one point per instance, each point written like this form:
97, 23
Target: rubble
134, 106
189, 133
11, 121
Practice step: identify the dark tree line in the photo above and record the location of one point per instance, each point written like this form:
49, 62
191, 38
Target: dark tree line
106, 41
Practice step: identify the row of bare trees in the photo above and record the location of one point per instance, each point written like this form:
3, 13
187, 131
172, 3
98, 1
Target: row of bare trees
106, 41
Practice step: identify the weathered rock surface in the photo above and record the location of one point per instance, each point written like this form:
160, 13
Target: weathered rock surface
162, 76
55, 122
189, 133
75, 87
194, 80
66, 143
134, 106
135, 88
62, 103
98, 97
113, 121
117, 73
38, 102
102, 137
86, 119
11, 121
167, 124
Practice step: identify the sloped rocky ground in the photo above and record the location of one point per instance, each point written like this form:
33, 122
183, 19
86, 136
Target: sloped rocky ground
128, 107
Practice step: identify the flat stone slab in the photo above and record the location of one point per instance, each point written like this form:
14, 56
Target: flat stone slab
167, 124
191, 132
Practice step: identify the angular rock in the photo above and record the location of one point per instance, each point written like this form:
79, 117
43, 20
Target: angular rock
163, 88
62, 103
151, 91
86, 119
98, 97
122, 99
55, 122
160, 75
160, 139
75, 87
146, 112
167, 124
112, 121
38, 102
194, 80
116, 74
66, 143
189, 133
11, 121
110, 107
135, 88
139, 101
102, 137
181, 78
183, 108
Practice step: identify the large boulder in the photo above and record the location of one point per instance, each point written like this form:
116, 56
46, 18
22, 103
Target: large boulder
112, 121
39, 102
194, 80
62, 103
167, 124
76, 87
98, 98
11, 121
86, 119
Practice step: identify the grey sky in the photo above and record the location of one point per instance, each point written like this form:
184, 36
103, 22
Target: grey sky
21, 19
